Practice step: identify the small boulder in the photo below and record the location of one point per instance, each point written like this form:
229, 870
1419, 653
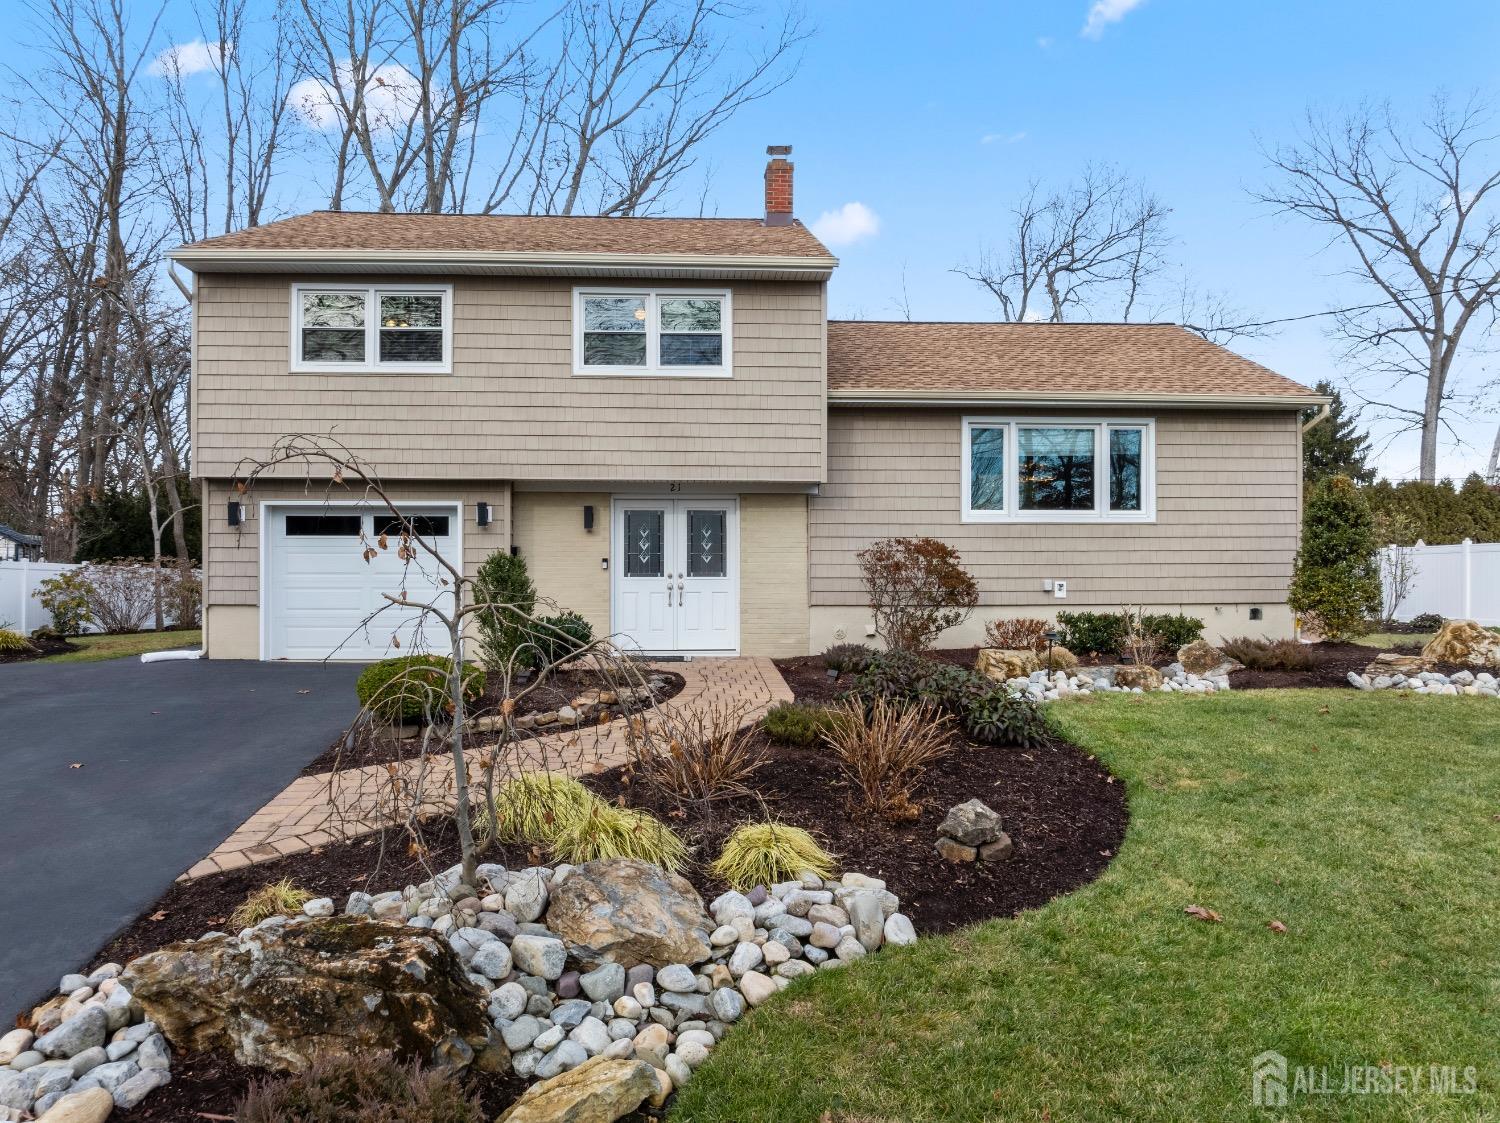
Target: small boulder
1137, 675
599, 1090
1201, 657
1003, 664
92, 1105
949, 851
972, 823
630, 912
998, 850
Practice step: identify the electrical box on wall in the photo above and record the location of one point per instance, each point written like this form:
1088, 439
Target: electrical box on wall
1060, 590
870, 630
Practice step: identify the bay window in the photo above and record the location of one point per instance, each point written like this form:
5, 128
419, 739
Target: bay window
651, 331
1040, 470
395, 328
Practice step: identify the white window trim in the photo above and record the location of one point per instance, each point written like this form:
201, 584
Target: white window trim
371, 363
654, 367
1101, 511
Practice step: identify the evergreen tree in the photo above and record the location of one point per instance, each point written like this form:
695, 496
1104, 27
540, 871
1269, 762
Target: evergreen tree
1335, 446
1336, 582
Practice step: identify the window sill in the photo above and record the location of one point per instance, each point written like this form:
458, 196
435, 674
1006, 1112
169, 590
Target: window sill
349, 368
660, 372
998, 518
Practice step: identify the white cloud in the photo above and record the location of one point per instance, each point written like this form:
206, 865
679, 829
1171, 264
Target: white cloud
182, 59
1044, 42
391, 96
1003, 138
851, 223
1105, 12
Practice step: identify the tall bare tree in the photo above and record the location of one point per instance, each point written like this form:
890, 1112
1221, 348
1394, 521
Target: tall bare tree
1415, 208
1088, 250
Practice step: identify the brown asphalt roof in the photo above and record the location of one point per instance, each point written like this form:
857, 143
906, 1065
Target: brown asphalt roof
989, 358
435, 233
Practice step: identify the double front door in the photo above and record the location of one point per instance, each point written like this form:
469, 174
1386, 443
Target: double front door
676, 575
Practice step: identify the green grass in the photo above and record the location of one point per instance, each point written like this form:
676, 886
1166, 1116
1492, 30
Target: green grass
1368, 825
1388, 641
96, 648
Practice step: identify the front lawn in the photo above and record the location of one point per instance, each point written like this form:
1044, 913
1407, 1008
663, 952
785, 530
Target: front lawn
92, 649
1369, 825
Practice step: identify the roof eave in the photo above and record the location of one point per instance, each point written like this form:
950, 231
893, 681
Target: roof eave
211, 260
1053, 399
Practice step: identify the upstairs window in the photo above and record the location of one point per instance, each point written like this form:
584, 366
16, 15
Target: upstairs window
1029, 470
396, 328
651, 331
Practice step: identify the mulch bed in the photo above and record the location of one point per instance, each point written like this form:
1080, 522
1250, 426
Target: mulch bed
383, 745
45, 646
808, 677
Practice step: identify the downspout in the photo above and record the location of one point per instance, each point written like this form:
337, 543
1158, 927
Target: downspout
176, 280
1316, 419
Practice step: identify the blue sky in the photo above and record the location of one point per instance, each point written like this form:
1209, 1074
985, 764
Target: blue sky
934, 118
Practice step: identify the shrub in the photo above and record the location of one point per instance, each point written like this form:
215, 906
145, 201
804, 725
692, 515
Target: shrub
182, 593
1336, 583
694, 755
556, 639
986, 709
14, 643
280, 898
535, 806
997, 716
765, 853
502, 580
66, 597
1099, 633
844, 657
917, 589
1020, 634
360, 1088
1173, 629
1270, 654
1426, 622
121, 594
608, 831
797, 723
414, 687
884, 748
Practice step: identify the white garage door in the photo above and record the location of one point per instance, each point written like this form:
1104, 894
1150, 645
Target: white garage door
321, 593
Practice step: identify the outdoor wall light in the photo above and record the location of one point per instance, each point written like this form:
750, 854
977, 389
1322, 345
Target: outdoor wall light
588, 517
236, 512
482, 513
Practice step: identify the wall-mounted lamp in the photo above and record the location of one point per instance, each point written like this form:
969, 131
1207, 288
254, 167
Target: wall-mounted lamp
482, 513
588, 517
236, 512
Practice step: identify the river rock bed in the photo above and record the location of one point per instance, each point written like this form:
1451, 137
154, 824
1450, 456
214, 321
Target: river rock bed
92, 1035
553, 1001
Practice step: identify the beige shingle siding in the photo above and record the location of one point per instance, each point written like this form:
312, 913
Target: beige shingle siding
232, 554
1226, 526
512, 407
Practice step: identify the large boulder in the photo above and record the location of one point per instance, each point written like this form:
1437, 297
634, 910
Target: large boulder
1001, 663
600, 1090
1389, 663
630, 912
1464, 641
278, 996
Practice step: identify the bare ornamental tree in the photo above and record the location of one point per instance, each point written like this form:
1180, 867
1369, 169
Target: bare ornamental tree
1414, 206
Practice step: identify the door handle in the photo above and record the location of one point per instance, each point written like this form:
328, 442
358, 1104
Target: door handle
669, 591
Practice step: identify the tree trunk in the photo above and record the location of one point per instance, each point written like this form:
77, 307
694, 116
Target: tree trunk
1493, 474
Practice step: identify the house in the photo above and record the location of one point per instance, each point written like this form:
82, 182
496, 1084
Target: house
660, 417
15, 546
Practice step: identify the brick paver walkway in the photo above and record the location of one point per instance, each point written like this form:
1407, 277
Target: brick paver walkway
315, 810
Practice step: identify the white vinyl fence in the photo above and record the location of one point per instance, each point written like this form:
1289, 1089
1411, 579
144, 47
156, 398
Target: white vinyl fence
18, 582
1457, 582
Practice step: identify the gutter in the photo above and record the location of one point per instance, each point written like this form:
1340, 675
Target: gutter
490, 261
1065, 397
1324, 407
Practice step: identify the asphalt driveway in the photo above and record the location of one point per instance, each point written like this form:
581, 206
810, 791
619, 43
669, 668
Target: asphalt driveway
174, 756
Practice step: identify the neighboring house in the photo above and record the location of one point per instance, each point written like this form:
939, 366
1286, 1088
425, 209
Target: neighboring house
659, 416
15, 546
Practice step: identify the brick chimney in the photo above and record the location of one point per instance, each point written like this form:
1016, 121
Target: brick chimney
778, 185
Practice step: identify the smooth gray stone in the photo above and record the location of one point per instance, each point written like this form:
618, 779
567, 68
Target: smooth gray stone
130, 1094
154, 1053
520, 1033
567, 1055
84, 1030
605, 983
